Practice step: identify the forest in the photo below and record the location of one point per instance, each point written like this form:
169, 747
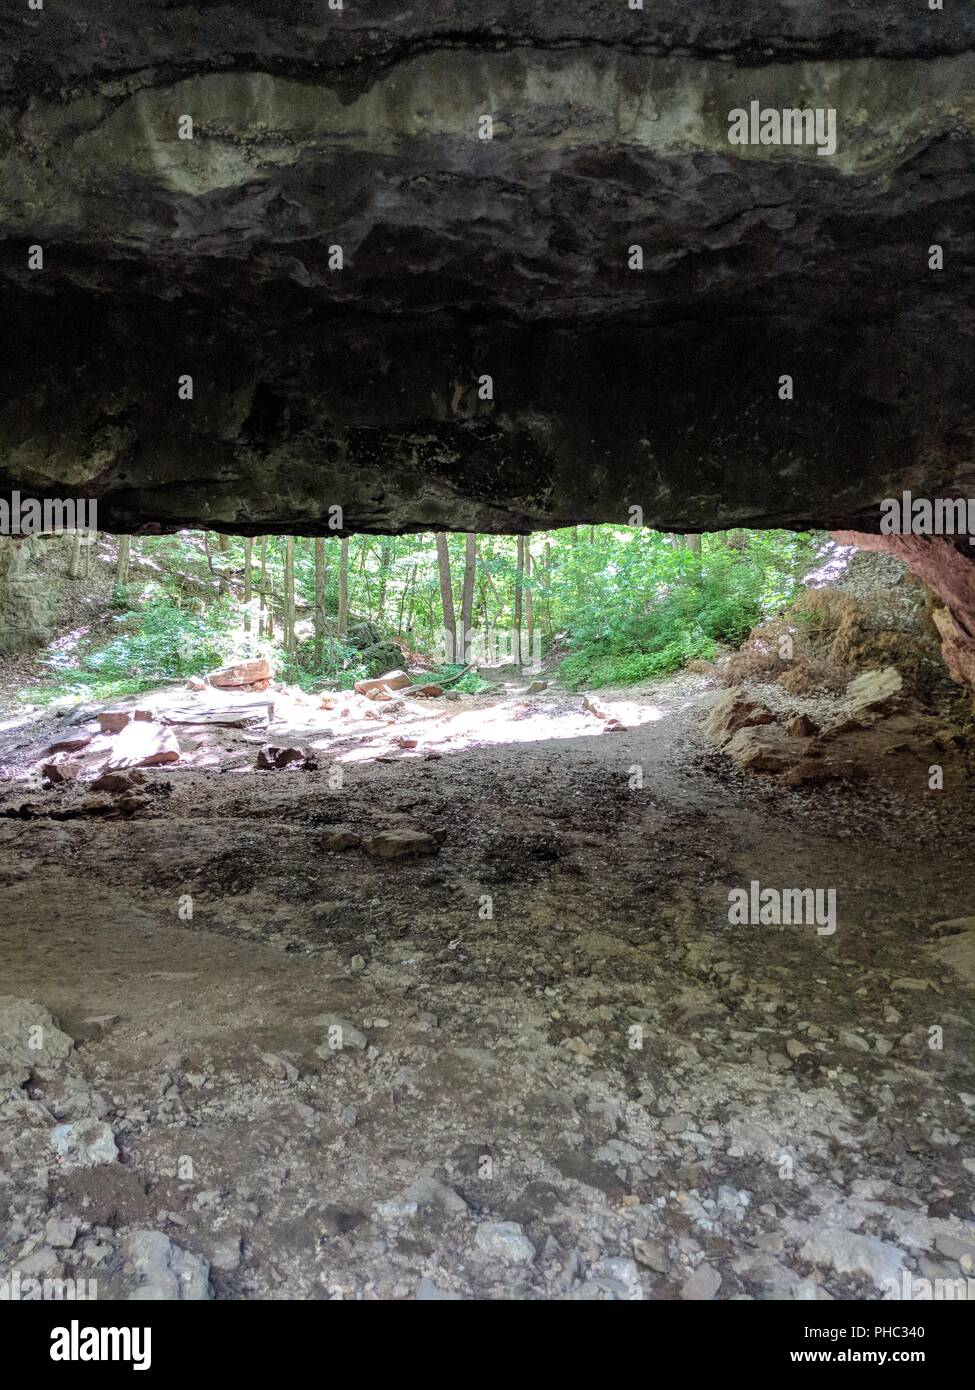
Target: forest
603, 605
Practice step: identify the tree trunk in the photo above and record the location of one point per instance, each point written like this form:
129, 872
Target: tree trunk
529, 605
693, 543
223, 547
385, 561
265, 604
519, 575
289, 594
447, 596
343, 623
75, 570
248, 582
407, 592
122, 563
467, 594
319, 601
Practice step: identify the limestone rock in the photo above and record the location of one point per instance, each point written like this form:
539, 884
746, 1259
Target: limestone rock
850, 1252
702, 1285
30, 1039
339, 837
732, 713
504, 1241
164, 1271
400, 844
85, 1143
875, 692
760, 749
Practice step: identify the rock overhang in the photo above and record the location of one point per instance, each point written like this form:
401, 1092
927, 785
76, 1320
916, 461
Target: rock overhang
463, 258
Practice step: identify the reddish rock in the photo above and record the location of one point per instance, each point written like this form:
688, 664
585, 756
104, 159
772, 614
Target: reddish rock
61, 770
141, 744
733, 712
948, 570
394, 680
256, 673
801, 726
428, 692
113, 721
757, 749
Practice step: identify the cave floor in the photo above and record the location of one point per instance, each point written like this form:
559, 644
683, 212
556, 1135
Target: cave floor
590, 1086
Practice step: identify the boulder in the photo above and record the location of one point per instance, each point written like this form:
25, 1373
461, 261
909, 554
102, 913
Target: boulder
85, 1143
393, 680
113, 721
757, 749
733, 712
400, 844
339, 837
29, 1038
60, 770
243, 673
876, 692
117, 781
428, 692
801, 726
141, 744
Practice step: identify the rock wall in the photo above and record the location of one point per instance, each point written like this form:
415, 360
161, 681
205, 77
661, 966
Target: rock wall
949, 572
27, 603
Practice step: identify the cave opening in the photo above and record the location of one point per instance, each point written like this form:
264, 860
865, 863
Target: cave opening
487, 651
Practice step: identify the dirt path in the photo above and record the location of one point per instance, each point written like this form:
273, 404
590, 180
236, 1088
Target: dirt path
563, 1073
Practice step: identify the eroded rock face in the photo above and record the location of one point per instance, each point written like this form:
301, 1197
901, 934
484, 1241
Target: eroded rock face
948, 568
613, 388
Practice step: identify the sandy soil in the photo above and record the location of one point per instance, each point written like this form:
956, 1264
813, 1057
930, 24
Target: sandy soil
563, 1073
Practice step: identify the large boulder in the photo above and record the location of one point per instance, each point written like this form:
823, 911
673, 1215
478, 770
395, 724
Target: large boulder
732, 712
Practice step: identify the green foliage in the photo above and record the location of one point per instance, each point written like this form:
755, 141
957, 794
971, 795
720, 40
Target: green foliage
162, 640
618, 604
648, 607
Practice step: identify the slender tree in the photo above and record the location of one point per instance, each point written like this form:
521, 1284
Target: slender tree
122, 560
447, 596
519, 575
467, 594
319, 601
248, 581
343, 622
289, 594
529, 604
